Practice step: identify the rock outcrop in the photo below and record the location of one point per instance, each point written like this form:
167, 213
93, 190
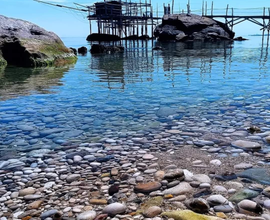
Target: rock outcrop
187, 27
27, 45
99, 48
102, 37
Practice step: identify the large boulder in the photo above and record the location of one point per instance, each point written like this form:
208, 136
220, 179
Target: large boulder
25, 44
182, 27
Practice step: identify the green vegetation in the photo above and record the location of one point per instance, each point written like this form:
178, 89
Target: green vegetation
187, 215
44, 54
3, 62
155, 201
53, 49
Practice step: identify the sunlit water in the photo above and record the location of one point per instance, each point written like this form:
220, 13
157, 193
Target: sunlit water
139, 91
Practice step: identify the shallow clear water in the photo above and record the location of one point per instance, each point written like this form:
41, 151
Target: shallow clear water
216, 86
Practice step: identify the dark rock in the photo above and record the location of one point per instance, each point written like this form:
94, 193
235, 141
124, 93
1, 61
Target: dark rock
246, 180
102, 37
82, 50
136, 37
226, 177
198, 205
203, 192
144, 37
94, 169
186, 27
167, 32
239, 39
99, 48
25, 44
57, 216
124, 176
113, 189
74, 50
104, 159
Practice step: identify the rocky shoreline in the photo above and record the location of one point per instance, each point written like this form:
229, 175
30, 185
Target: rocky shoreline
139, 179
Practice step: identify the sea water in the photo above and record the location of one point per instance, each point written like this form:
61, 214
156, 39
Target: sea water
215, 87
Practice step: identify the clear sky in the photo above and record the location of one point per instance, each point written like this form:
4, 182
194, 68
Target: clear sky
67, 23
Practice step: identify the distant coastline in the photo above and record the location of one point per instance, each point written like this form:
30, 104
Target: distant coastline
257, 35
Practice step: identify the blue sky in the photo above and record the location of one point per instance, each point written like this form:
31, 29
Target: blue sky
68, 23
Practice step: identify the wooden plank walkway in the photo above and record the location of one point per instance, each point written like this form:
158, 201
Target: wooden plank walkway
232, 19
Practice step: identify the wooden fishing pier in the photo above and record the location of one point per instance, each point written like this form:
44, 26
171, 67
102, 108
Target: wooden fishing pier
121, 18
134, 20
232, 19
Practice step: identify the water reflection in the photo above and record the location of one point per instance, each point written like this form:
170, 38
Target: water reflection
140, 62
120, 69
16, 81
264, 52
183, 57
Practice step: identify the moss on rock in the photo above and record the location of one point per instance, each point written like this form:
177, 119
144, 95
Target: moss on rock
188, 215
31, 46
3, 62
155, 201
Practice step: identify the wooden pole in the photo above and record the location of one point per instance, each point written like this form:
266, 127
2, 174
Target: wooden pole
98, 26
267, 38
212, 8
146, 18
137, 20
172, 5
90, 24
188, 7
141, 17
264, 26
268, 25
232, 19
203, 8
206, 8
152, 23
226, 20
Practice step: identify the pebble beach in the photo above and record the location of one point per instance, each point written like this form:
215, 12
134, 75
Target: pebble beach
175, 174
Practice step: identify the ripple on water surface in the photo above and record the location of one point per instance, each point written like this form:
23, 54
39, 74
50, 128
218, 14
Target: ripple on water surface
209, 86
